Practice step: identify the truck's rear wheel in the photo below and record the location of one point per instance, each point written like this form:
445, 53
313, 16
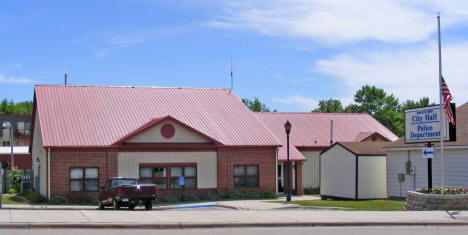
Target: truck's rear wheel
100, 205
115, 204
148, 205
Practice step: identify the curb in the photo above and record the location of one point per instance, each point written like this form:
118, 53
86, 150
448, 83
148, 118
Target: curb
220, 225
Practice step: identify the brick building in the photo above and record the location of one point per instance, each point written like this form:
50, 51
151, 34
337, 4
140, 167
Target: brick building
83, 135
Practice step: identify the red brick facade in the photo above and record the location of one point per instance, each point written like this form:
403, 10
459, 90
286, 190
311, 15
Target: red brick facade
107, 163
263, 157
22, 161
63, 160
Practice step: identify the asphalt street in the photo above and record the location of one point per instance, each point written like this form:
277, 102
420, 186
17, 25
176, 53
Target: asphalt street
414, 230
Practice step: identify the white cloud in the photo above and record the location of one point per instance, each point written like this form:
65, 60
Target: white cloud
338, 21
302, 102
408, 74
15, 80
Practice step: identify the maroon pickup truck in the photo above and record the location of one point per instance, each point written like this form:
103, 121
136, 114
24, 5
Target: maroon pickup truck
126, 192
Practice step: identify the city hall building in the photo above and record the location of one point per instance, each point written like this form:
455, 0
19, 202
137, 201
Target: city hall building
84, 135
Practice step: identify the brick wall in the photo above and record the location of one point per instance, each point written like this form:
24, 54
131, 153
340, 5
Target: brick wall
228, 157
22, 161
63, 160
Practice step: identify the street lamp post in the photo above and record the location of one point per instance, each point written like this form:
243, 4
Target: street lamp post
287, 128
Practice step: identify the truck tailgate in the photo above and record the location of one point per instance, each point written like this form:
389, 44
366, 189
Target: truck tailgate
139, 191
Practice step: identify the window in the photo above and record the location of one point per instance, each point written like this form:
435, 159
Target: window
167, 177
84, 179
6, 143
246, 176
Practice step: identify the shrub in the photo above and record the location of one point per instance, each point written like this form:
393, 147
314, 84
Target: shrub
170, 199
94, 200
236, 195
252, 195
268, 195
58, 199
210, 197
78, 201
311, 191
33, 197
14, 178
190, 197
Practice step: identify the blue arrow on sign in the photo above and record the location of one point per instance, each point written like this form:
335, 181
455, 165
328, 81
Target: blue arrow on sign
428, 152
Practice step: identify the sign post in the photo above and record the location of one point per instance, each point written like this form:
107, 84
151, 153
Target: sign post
425, 125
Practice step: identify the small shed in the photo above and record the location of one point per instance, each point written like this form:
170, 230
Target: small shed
353, 170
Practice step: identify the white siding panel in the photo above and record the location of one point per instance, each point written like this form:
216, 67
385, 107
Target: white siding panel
38, 152
181, 135
372, 177
311, 169
207, 175
456, 170
338, 173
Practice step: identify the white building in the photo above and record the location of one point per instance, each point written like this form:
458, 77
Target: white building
353, 170
402, 157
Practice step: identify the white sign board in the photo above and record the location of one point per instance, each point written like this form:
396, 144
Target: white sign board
422, 125
428, 152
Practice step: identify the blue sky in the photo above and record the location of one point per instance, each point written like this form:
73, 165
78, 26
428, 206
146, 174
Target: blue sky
288, 53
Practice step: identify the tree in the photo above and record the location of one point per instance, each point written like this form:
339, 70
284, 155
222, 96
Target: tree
23, 107
255, 105
329, 106
9, 107
409, 104
378, 104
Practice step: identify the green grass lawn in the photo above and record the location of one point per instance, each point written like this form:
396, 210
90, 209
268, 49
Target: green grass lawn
8, 199
365, 205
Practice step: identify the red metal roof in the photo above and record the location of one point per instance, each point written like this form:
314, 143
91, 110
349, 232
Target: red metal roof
313, 129
90, 116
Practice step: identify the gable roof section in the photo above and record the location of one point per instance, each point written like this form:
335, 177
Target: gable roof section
462, 132
155, 122
312, 130
366, 135
363, 148
99, 116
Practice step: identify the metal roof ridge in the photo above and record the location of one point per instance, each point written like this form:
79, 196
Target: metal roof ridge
313, 113
113, 86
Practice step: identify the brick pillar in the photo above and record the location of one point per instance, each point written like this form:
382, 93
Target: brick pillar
299, 189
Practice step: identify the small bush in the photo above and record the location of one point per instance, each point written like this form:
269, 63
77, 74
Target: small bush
252, 195
79, 201
94, 200
14, 178
170, 199
58, 199
268, 195
33, 197
190, 197
311, 191
11, 191
236, 195
210, 197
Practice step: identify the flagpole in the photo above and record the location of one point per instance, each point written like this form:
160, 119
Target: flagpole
442, 116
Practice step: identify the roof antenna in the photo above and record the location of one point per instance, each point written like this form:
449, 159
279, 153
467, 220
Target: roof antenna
331, 132
65, 79
232, 81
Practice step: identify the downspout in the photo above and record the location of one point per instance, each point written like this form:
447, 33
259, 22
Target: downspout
276, 170
48, 174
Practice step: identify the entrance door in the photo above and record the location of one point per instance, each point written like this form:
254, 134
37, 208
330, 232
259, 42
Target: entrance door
280, 178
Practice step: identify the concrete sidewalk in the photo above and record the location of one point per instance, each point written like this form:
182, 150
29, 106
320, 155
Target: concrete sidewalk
260, 204
220, 218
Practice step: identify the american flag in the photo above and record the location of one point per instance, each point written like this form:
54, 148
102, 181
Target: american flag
446, 98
